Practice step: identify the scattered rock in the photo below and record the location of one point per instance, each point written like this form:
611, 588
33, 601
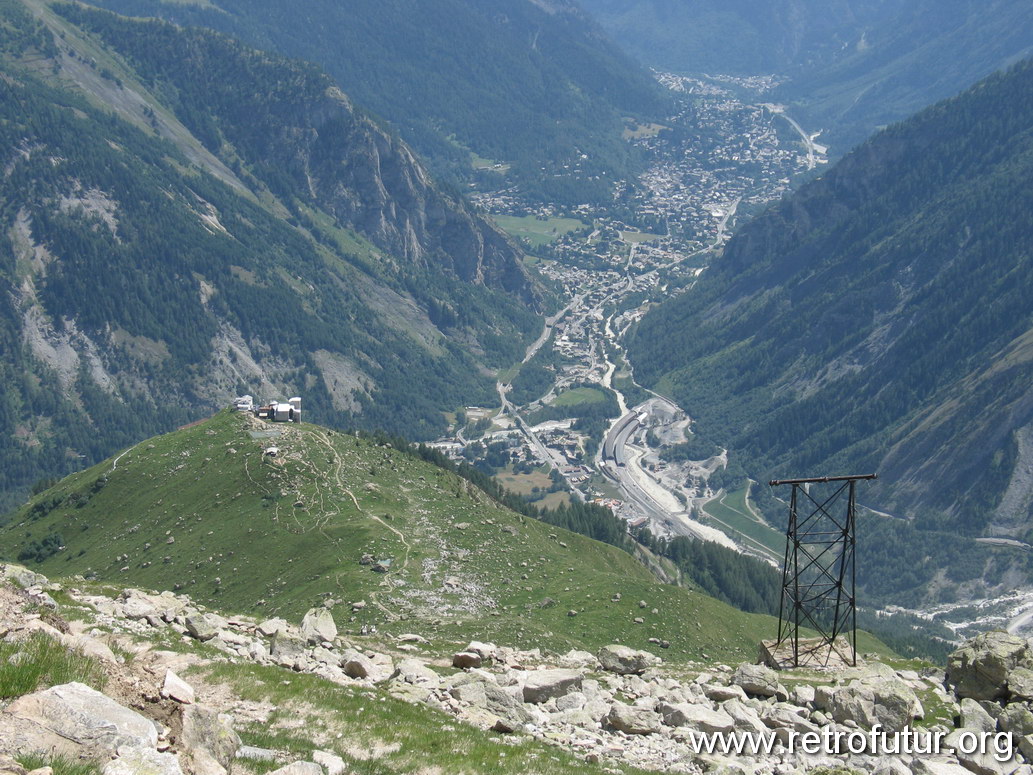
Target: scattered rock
318, 626
758, 680
78, 714
356, 665
626, 661
331, 763
1017, 719
139, 760
633, 720
8, 766
699, 717
542, 685
177, 689
486, 651
270, 627
466, 660
201, 626
1020, 684
286, 650
876, 700
204, 728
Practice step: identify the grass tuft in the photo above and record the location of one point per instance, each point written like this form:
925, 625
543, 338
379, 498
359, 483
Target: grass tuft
39, 662
61, 765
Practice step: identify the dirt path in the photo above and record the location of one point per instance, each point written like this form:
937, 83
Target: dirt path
336, 473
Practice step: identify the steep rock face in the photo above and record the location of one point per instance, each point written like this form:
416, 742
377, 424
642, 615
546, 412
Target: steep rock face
305, 129
378, 185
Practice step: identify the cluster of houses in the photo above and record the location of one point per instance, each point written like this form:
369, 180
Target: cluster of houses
275, 411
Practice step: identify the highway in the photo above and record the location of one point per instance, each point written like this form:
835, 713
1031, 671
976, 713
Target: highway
620, 461
813, 149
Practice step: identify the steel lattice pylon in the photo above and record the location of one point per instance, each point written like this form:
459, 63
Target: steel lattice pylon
818, 572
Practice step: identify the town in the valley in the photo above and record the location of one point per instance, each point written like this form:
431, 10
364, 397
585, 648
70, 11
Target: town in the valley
571, 422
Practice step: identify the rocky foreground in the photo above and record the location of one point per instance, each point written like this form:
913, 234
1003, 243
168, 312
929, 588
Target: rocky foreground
616, 707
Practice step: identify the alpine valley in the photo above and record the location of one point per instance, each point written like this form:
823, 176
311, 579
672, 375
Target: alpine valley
529, 325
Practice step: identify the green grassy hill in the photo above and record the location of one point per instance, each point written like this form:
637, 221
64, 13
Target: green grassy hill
205, 511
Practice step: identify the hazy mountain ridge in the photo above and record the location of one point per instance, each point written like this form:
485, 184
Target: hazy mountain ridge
307, 138
159, 260
853, 66
880, 319
533, 85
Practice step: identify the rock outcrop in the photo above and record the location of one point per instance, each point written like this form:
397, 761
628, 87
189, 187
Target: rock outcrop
981, 668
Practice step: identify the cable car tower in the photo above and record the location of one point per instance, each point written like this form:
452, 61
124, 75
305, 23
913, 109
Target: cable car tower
818, 574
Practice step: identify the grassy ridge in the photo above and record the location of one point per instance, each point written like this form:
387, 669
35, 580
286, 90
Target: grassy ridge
202, 509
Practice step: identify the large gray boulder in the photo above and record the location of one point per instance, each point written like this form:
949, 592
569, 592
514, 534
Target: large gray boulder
1017, 719
466, 659
140, 605
745, 717
287, 650
356, 665
758, 680
890, 765
271, 626
696, 716
330, 762
939, 766
177, 689
979, 761
204, 728
1020, 684
626, 661
980, 668
542, 685
510, 713
633, 720
78, 714
142, 761
201, 626
413, 671
886, 701
974, 716
318, 626
22, 577
199, 761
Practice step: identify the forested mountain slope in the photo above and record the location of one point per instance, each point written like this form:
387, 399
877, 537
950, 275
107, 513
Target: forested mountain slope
185, 218
852, 65
534, 84
881, 319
